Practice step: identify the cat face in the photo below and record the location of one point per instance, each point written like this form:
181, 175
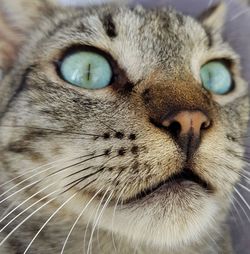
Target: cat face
155, 145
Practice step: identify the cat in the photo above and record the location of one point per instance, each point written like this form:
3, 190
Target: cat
136, 150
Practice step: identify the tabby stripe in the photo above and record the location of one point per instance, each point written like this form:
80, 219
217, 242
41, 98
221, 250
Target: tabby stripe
17, 91
109, 26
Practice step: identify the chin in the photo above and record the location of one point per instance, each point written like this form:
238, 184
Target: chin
174, 215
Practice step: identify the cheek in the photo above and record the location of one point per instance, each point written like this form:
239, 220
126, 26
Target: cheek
219, 158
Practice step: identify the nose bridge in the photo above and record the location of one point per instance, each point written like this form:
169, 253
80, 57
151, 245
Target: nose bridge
164, 98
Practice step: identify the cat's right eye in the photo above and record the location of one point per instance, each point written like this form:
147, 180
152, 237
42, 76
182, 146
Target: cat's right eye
216, 78
86, 69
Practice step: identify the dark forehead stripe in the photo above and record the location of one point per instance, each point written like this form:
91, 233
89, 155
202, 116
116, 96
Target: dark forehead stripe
109, 25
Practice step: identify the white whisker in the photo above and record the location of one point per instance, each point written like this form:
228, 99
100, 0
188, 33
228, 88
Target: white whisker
113, 218
9, 208
242, 208
76, 221
244, 187
18, 191
236, 16
29, 171
242, 198
97, 221
96, 214
29, 185
28, 217
25, 201
49, 219
26, 209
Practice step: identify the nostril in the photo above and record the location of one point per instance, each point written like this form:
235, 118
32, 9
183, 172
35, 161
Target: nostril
174, 128
205, 125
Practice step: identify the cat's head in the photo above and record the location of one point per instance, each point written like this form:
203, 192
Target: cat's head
146, 108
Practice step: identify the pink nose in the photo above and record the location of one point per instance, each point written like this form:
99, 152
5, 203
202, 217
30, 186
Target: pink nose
188, 121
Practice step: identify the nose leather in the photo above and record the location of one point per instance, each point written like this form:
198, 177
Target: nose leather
189, 122
186, 127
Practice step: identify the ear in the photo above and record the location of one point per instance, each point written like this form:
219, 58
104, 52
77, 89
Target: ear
17, 17
214, 18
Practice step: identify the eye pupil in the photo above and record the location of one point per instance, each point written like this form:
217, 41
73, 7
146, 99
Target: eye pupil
86, 69
88, 74
216, 78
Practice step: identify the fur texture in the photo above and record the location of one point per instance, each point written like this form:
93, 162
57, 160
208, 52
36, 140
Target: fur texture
64, 149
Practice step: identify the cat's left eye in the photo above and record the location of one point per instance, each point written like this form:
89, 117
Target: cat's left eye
216, 78
86, 69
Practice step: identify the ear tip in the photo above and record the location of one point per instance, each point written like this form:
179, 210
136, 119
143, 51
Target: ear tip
222, 6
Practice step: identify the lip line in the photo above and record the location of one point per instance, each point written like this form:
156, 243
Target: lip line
185, 175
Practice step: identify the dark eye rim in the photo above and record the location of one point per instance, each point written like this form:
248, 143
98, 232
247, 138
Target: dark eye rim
229, 64
118, 78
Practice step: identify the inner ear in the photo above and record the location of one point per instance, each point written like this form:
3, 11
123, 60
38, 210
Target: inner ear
214, 18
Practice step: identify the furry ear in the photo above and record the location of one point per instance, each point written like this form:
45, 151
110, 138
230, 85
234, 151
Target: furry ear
214, 18
17, 17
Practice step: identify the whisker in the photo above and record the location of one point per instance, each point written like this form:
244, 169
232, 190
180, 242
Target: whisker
242, 208
246, 172
113, 217
9, 208
80, 171
25, 201
76, 182
242, 198
34, 183
235, 209
84, 169
49, 219
97, 220
26, 209
76, 221
244, 187
236, 16
27, 218
36, 174
18, 191
244, 176
95, 216
85, 236
108, 126
78, 163
30, 170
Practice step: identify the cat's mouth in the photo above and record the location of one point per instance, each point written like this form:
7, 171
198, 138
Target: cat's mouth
177, 180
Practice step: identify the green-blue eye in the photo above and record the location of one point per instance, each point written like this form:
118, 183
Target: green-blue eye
86, 69
216, 78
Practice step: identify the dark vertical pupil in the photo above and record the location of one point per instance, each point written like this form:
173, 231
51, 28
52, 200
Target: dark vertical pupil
210, 76
88, 74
